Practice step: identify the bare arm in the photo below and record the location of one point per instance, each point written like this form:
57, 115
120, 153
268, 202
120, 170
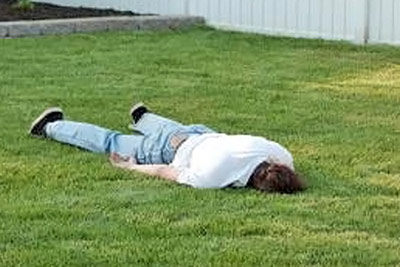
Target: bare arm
163, 171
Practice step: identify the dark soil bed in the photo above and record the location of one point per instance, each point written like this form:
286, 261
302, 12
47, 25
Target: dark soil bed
48, 11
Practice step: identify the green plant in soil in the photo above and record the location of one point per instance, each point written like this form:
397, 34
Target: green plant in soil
24, 5
334, 105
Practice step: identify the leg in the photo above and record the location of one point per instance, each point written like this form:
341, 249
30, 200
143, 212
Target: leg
149, 123
162, 136
93, 138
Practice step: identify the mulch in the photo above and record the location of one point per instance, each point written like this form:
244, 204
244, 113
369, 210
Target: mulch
48, 11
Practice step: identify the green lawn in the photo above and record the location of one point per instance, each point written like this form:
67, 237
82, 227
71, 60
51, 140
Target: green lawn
335, 106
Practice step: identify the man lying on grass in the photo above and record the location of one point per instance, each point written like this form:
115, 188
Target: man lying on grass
193, 155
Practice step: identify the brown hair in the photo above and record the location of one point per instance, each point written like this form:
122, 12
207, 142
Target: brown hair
275, 178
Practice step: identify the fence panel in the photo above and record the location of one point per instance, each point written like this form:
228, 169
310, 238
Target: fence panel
384, 21
376, 21
330, 19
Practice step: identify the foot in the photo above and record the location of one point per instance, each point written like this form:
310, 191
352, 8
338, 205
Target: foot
137, 111
49, 115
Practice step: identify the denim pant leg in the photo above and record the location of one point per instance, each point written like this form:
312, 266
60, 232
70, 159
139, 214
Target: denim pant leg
157, 146
150, 123
157, 131
94, 138
198, 129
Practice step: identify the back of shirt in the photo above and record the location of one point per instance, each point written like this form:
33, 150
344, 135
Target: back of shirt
220, 160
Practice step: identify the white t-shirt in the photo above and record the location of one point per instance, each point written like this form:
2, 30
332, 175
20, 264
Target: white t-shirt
220, 160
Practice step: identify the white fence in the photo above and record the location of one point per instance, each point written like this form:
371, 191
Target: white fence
360, 21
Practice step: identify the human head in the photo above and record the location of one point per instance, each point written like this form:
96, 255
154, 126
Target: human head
275, 178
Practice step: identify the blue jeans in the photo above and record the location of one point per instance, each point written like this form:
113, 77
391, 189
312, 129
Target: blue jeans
152, 144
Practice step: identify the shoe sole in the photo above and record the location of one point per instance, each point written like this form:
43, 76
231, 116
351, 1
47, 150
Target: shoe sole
42, 116
135, 107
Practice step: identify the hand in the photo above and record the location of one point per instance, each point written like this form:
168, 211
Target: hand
124, 162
